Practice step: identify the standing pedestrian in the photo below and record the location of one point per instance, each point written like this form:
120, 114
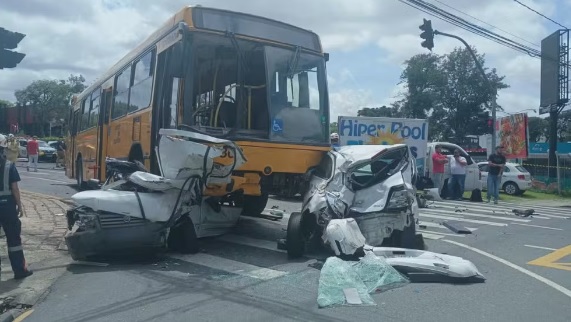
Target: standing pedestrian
438, 162
33, 153
10, 211
496, 164
458, 171
60, 150
334, 137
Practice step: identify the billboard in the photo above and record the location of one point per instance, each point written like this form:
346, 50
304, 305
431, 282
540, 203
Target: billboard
358, 130
550, 89
512, 135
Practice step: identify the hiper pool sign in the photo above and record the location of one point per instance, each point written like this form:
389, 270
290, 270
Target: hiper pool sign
354, 130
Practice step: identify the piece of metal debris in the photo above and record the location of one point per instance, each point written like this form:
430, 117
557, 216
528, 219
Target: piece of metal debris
523, 213
456, 227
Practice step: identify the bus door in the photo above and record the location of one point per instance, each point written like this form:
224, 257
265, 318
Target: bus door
168, 98
103, 128
70, 152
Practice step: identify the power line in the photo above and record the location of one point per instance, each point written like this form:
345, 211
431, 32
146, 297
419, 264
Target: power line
495, 27
539, 13
478, 30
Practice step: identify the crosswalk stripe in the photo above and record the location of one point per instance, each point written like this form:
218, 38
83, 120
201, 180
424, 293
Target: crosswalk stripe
432, 236
252, 242
537, 226
465, 213
543, 211
482, 222
506, 211
437, 225
439, 233
230, 266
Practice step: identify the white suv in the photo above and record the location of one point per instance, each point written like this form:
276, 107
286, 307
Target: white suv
515, 180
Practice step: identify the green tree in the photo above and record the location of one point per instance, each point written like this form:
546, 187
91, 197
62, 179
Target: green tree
5, 104
537, 128
50, 99
333, 128
449, 90
382, 111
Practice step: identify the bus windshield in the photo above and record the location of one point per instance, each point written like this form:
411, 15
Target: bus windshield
252, 90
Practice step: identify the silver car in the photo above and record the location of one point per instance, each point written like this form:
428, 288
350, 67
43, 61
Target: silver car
373, 184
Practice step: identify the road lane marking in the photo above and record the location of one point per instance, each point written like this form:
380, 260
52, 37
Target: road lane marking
438, 225
551, 260
514, 266
464, 213
253, 242
539, 247
482, 222
537, 226
230, 266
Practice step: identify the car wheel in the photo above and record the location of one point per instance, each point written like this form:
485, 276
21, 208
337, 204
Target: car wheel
182, 237
295, 241
511, 188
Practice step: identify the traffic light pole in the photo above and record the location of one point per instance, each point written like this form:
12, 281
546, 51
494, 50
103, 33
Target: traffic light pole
494, 104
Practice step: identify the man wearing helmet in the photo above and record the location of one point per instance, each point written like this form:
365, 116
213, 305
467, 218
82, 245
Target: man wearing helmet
10, 211
334, 137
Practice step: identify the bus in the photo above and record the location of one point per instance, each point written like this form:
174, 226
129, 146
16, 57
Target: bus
256, 81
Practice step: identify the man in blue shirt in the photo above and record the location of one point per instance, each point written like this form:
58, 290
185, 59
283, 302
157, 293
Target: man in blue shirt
10, 211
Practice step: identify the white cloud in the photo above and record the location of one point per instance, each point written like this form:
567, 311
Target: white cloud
77, 36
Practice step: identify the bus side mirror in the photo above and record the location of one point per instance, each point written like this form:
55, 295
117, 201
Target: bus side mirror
326, 56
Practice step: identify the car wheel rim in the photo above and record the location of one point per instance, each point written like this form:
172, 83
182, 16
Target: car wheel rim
510, 189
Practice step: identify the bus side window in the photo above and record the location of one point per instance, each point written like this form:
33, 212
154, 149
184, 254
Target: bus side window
142, 87
84, 115
173, 107
121, 105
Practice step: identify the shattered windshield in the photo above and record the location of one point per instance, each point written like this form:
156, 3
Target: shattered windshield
382, 167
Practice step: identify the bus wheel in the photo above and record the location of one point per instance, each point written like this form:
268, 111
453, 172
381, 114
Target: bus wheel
254, 205
79, 174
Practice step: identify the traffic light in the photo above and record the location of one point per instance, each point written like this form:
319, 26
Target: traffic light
427, 34
10, 40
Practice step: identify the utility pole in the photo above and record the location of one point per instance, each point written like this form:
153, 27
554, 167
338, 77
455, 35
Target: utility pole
428, 36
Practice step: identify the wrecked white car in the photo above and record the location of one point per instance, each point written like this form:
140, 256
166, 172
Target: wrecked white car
140, 210
372, 187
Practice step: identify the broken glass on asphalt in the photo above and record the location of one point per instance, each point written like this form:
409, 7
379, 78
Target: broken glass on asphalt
341, 281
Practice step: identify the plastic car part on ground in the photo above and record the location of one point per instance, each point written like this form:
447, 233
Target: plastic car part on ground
343, 236
420, 261
350, 283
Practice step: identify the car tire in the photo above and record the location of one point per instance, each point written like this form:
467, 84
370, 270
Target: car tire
511, 188
295, 241
182, 237
79, 174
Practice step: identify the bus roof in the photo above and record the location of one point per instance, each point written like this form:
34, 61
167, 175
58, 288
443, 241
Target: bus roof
195, 22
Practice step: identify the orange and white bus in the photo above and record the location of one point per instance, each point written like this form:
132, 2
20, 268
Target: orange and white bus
253, 80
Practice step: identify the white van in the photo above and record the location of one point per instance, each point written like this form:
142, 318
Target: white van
473, 174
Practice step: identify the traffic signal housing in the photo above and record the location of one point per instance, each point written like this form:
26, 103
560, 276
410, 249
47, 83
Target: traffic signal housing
427, 34
10, 40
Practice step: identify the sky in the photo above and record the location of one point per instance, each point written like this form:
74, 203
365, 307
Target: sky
368, 40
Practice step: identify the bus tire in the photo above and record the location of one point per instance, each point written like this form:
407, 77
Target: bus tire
79, 173
254, 205
136, 153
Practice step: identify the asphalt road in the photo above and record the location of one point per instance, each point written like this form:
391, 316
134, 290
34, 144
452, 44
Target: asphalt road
243, 277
